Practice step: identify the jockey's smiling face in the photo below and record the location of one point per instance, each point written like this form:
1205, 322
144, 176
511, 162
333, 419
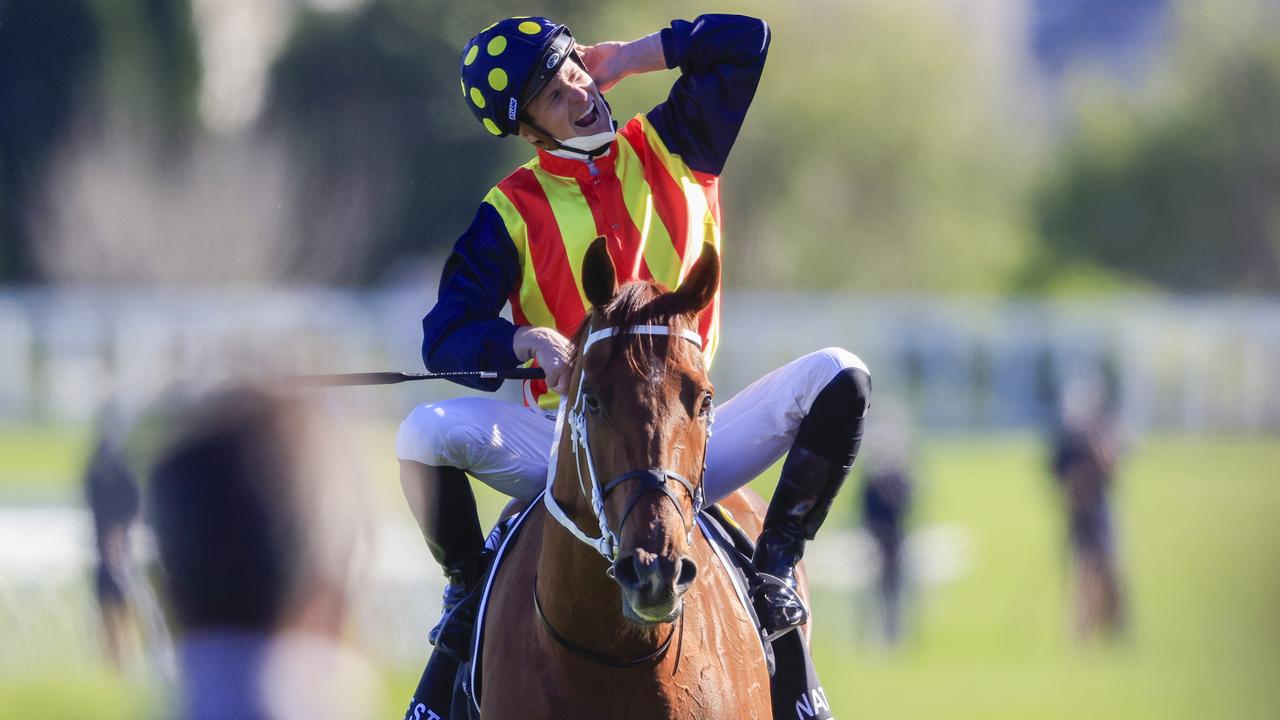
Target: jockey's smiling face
569, 105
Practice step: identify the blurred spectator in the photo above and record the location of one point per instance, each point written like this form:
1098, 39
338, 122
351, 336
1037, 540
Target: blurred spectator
887, 488
136, 636
1085, 452
259, 519
112, 495
886, 498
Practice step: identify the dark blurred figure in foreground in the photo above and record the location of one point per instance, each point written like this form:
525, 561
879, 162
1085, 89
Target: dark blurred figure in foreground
1085, 453
259, 519
111, 491
887, 489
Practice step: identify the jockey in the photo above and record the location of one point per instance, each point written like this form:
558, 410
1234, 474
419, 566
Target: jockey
651, 188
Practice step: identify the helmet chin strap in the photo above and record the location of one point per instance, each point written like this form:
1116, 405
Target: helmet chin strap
582, 147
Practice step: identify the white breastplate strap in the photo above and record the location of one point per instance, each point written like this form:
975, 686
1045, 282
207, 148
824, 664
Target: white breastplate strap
607, 543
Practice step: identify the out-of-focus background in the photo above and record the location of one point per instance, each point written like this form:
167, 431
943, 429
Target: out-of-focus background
1050, 227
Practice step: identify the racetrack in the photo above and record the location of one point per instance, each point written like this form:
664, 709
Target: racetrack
988, 639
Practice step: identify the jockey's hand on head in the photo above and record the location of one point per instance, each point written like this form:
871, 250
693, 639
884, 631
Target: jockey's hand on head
609, 62
552, 351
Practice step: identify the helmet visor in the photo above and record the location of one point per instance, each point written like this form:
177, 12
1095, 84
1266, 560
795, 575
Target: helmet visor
558, 50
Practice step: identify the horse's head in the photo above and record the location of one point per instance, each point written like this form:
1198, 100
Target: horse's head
641, 406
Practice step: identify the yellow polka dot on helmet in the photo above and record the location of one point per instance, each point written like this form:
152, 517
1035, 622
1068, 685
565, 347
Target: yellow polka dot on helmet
477, 97
530, 27
497, 78
491, 126
497, 45
463, 83
471, 55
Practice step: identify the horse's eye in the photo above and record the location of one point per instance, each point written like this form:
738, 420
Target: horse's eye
704, 409
589, 399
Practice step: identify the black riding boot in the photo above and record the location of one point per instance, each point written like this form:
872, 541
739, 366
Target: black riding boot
805, 491
445, 507
808, 485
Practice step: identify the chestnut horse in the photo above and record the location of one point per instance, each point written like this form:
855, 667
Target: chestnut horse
597, 614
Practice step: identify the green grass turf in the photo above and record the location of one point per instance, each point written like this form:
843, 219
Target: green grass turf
41, 460
84, 694
1198, 537
1199, 541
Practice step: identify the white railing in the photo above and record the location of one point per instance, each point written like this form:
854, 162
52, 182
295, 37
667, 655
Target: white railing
1198, 365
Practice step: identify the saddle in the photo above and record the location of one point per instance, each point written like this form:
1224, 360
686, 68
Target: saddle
794, 685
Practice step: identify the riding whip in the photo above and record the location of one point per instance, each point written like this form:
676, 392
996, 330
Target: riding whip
391, 378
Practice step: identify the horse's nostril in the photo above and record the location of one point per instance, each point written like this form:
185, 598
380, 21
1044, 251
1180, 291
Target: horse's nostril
654, 576
626, 571
688, 571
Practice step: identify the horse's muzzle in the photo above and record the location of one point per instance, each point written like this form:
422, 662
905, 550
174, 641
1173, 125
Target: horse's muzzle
652, 585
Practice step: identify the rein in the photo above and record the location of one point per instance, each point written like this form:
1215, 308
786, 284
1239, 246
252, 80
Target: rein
591, 655
654, 479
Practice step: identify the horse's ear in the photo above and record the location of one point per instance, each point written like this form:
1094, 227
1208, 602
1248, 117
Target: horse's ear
599, 279
700, 285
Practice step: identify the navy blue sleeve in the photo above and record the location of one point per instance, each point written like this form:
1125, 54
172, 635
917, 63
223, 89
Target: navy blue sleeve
720, 58
463, 331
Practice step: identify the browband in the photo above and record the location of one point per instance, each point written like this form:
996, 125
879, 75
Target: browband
608, 332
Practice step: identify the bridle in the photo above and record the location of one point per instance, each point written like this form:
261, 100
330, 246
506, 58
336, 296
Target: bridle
651, 479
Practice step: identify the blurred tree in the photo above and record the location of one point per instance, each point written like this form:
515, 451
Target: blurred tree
902, 169
1180, 189
49, 51
369, 103
168, 54
152, 68
883, 152
67, 65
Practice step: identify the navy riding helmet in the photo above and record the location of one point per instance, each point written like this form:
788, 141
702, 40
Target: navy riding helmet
507, 63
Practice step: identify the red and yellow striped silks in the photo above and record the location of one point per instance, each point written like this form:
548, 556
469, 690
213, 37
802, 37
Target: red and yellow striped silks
655, 211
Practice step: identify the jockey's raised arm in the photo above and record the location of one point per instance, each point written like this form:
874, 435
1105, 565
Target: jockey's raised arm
721, 58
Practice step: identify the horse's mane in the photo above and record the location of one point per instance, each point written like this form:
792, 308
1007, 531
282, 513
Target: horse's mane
640, 302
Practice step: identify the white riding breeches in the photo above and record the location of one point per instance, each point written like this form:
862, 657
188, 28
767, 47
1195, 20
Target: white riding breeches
507, 446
